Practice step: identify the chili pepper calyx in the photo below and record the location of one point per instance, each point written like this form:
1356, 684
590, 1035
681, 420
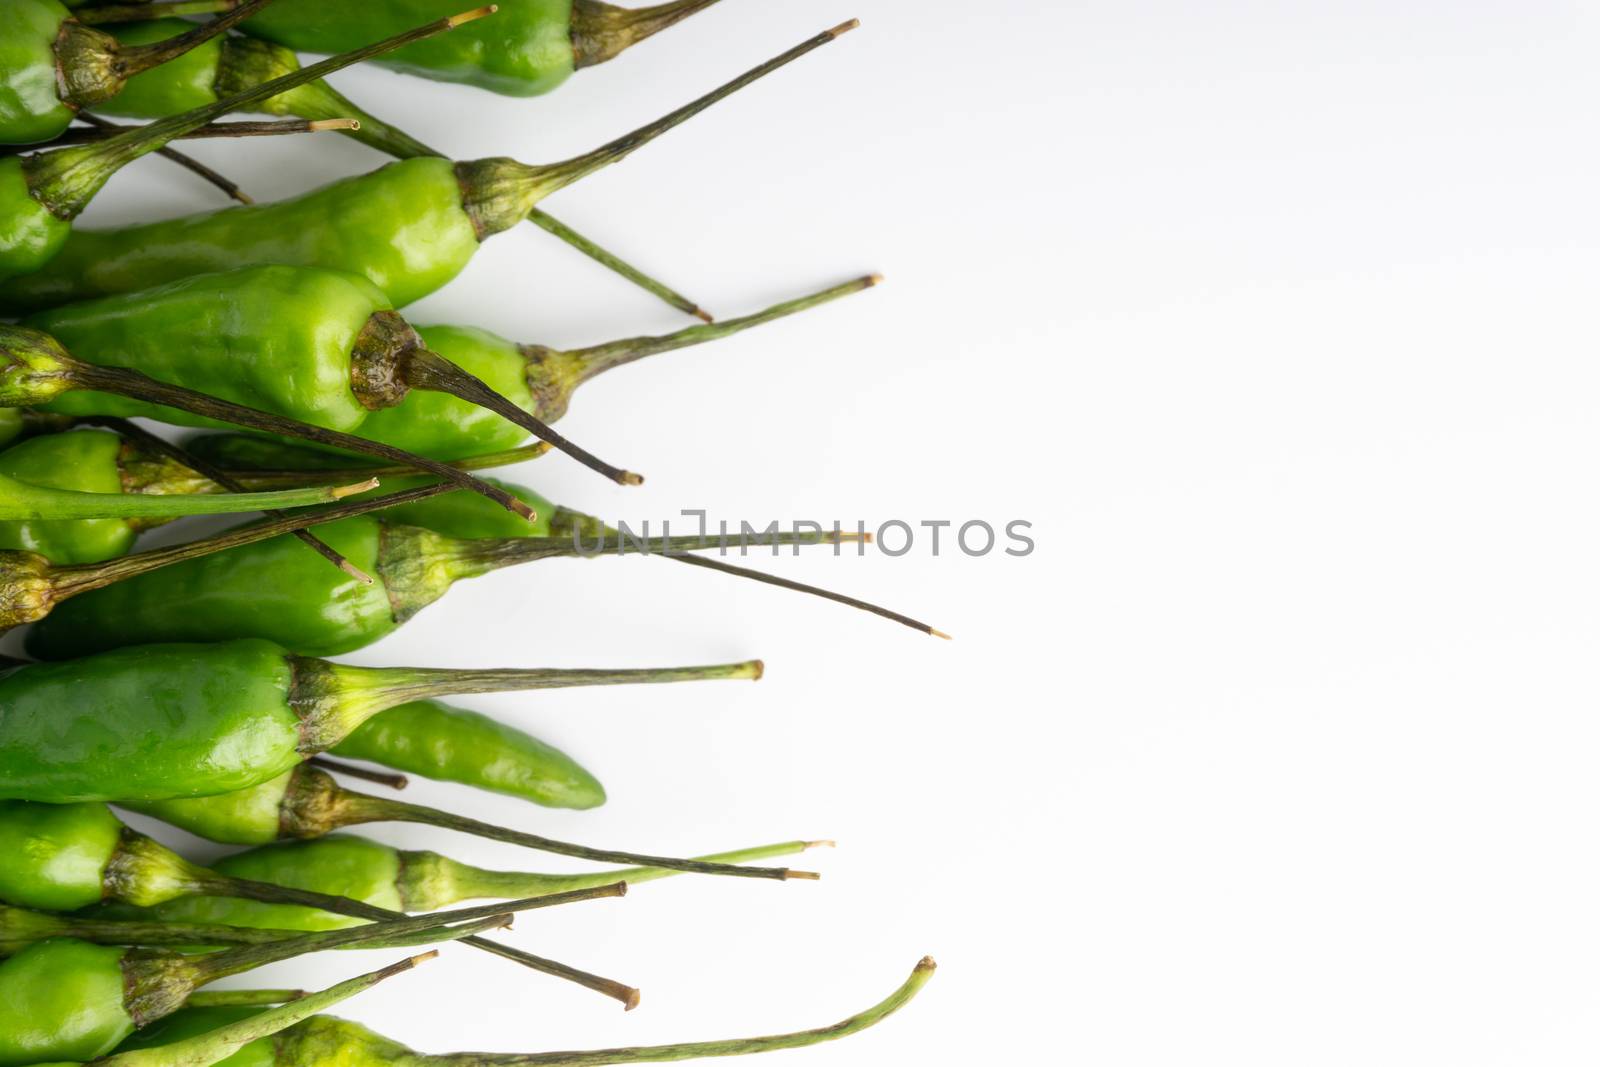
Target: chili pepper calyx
310, 805
144, 872
155, 984
601, 32
418, 567
378, 359
34, 368
27, 591
86, 69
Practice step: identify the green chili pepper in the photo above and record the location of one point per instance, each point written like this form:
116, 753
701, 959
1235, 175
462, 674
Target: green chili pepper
62, 857
69, 999
534, 47
325, 1039
408, 227
319, 346
392, 879
274, 590
455, 745
41, 194
160, 721
229, 65
224, 1043
52, 64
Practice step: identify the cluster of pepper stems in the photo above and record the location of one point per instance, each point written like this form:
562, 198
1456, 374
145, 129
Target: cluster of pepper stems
189, 683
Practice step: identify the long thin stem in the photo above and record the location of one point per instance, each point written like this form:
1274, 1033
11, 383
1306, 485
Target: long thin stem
242, 998
365, 774
229, 187
72, 580
181, 455
559, 175
470, 882
216, 1045
424, 369
131, 59
704, 1049
140, 386
386, 687
264, 478
601, 31
99, 129
215, 965
101, 14
551, 225
23, 500
597, 359
271, 893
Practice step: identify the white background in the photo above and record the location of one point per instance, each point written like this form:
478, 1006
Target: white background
1276, 320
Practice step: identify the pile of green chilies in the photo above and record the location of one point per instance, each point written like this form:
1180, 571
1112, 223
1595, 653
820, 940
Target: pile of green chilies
191, 683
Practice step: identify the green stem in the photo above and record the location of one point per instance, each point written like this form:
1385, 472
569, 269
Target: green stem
229, 187
702, 1049
155, 9
100, 130
20, 500
554, 176
65, 180
424, 369
131, 383
598, 359
214, 884
489, 554
132, 59
601, 32
261, 479
551, 225
216, 1045
242, 998
365, 774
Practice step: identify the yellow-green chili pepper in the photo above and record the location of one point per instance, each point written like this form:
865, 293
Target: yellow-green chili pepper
534, 47
227, 66
63, 857
52, 64
325, 1039
408, 227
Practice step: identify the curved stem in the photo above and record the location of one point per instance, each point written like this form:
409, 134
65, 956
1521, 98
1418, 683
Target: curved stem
217, 1045
598, 359
131, 59
355, 808
556, 176
437, 925
704, 1049
601, 32
270, 893
474, 882
229, 187
424, 369
553, 226
242, 998
131, 383
102, 14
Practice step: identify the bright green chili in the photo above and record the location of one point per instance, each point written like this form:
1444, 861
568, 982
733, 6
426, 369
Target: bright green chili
63, 857
52, 64
393, 879
325, 1039
274, 590
408, 227
40, 194
320, 346
229, 65
230, 1036
68, 999
535, 46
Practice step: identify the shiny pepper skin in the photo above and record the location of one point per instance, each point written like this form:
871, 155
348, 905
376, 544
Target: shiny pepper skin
186, 82
69, 849
30, 236
402, 227
525, 50
274, 338
62, 999
30, 105
85, 460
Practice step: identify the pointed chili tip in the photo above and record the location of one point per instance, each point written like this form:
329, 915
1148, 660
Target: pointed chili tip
826, 842
342, 491
631, 1001
801, 876
470, 16
844, 28
702, 314
940, 634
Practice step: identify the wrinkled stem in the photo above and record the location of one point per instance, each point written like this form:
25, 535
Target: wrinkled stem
559, 175
131, 383
242, 998
703, 1049
102, 14
22, 500
429, 370
598, 359
217, 1045
437, 926
551, 225
271, 893
355, 808
601, 32
229, 187
131, 59
368, 690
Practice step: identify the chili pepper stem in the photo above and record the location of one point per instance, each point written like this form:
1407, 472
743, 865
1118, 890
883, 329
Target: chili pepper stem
601, 32
393, 781
103, 14
424, 369
66, 179
217, 1045
282, 478
229, 187
98, 129
130, 60
243, 998
704, 1049
556, 228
